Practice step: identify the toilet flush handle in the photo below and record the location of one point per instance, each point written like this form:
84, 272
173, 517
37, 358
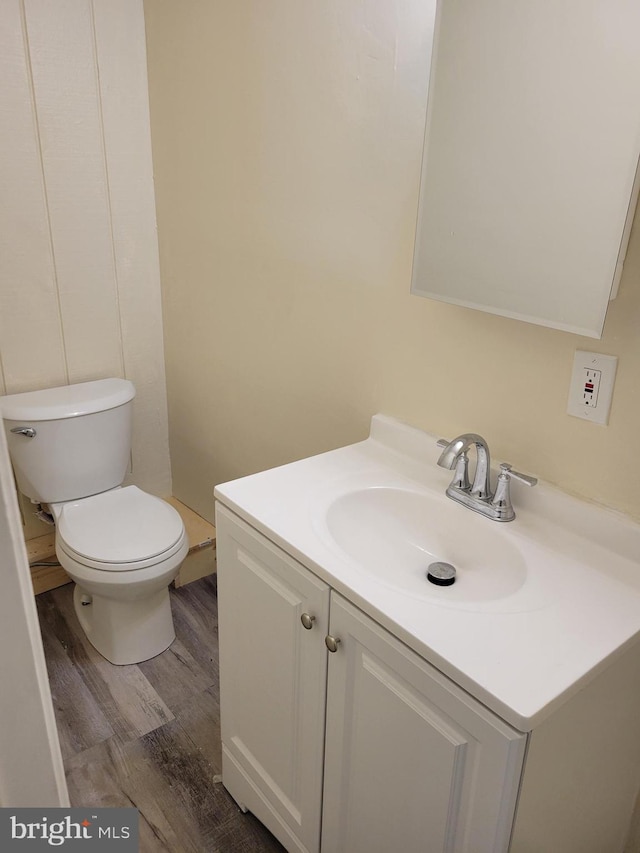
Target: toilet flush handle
28, 431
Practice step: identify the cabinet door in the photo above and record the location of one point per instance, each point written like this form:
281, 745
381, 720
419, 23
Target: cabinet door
272, 682
412, 763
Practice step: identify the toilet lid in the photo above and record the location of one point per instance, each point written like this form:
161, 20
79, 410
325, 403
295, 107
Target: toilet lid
121, 526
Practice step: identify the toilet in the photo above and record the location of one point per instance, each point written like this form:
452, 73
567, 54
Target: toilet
70, 448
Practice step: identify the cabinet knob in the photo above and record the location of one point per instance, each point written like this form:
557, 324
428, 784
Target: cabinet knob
307, 621
332, 643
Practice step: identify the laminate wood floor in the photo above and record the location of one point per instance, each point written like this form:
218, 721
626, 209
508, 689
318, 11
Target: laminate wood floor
148, 735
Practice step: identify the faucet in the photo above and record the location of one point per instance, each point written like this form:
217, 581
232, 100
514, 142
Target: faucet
479, 496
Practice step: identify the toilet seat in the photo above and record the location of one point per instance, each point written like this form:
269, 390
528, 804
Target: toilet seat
121, 530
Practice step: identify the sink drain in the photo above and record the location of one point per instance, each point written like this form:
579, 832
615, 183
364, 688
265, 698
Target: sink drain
441, 574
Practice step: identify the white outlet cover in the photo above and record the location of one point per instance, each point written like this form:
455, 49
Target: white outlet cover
579, 404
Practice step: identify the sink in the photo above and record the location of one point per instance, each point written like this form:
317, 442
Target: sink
516, 629
393, 534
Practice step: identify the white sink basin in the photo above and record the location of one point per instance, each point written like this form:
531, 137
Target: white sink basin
393, 534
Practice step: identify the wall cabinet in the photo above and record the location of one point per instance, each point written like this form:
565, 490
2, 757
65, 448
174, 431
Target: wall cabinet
528, 183
406, 759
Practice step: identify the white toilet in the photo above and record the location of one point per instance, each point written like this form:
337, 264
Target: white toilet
70, 448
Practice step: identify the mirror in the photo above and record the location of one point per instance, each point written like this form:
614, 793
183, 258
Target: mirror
529, 171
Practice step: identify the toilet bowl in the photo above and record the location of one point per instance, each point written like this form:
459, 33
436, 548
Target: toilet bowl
122, 548
71, 450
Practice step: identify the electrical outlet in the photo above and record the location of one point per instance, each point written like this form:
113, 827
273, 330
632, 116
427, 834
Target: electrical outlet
591, 387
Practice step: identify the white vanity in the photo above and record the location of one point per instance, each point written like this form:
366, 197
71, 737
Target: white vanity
365, 709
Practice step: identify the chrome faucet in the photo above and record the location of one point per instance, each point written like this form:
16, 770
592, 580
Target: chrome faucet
479, 497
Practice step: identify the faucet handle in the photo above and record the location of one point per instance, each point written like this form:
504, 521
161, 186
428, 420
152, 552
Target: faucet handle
461, 476
506, 469
501, 502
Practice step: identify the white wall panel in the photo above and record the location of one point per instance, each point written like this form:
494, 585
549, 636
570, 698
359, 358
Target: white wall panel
63, 63
30, 331
79, 277
119, 27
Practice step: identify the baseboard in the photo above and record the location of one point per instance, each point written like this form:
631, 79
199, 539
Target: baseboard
42, 549
201, 559
198, 564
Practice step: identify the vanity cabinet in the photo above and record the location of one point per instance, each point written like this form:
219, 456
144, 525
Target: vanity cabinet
406, 759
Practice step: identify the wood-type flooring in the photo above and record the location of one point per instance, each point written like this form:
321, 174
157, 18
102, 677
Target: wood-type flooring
148, 735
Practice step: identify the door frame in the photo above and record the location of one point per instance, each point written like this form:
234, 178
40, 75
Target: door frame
31, 767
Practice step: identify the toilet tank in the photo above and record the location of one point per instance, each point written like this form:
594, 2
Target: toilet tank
81, 443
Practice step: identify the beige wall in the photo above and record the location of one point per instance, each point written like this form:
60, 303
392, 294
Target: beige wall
79, 276
286, 141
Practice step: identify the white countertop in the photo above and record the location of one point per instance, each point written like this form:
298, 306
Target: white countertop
522, 655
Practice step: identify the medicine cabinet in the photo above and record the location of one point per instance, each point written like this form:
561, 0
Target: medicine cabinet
529, 173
